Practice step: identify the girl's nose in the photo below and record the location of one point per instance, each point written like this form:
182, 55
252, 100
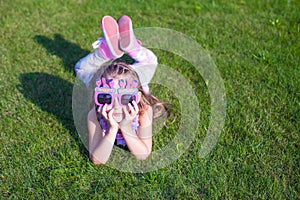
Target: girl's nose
117, 103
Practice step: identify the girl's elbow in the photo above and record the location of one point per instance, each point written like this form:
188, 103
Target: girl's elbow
142, 156
96, 161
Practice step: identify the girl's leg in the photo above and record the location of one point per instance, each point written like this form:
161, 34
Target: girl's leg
86, 67
108, 48
145, 60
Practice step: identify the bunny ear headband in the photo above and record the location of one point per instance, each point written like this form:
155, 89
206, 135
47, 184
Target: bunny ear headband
145, 69
122, 83
145, 65
105, 92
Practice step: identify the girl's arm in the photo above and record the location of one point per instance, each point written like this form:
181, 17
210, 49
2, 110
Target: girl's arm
100, 146
87, 66
140, 145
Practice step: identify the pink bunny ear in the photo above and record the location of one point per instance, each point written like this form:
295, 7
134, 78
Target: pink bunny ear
104, 84
129, 83
111, 83
122, 83
98, 82
135, 83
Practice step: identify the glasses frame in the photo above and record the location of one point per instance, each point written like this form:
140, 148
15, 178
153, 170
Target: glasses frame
115, 93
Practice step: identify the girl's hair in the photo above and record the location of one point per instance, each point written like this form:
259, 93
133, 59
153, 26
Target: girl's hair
119, 68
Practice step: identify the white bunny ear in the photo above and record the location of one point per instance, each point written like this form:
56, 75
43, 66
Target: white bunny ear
146, 88
146, 61
145, 65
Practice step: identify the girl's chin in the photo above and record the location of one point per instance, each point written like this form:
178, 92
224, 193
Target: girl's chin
118, 117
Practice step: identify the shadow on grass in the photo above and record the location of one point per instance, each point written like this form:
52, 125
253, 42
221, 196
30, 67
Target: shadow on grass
53, 95
69, 52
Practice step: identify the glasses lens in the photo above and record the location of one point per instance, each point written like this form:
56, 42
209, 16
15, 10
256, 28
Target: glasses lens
127, 98
104, 98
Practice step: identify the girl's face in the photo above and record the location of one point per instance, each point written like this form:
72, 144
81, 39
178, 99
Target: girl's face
118, 113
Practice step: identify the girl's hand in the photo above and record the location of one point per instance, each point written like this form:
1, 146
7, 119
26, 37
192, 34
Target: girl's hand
107, 115
129, 115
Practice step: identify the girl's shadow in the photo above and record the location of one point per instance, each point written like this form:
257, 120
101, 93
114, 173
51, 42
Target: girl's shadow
69, 52
52, 93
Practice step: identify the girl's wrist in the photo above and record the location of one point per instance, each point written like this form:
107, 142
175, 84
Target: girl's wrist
112, 131
126, 128
125, 125
111, 135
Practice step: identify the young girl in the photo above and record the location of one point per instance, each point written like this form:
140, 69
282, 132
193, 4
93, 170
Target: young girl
123, 106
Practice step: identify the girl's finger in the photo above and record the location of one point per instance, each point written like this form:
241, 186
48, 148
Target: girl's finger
110, 114
132, 111
127, 115
103, 112
135, 105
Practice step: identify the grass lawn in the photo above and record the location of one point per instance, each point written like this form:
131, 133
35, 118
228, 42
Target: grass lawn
256, 48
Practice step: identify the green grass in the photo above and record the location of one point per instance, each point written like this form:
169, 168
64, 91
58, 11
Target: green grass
254, 44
